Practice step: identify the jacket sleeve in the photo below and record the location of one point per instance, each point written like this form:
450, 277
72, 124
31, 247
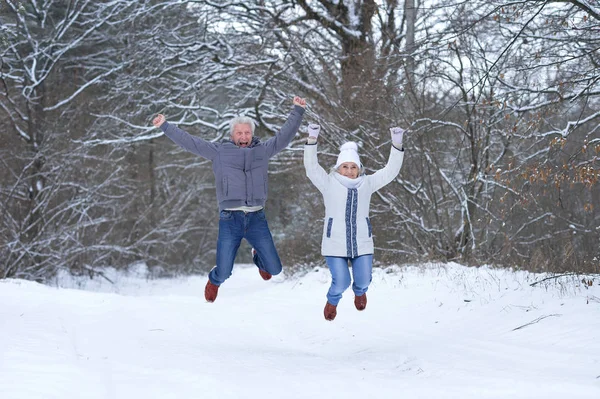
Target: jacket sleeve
314, 171
188, 142
384, 176
287, 132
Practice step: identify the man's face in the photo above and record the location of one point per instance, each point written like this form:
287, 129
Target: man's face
242, 135
348, 169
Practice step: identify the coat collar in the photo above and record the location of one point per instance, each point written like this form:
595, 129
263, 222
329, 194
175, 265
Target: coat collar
348, 182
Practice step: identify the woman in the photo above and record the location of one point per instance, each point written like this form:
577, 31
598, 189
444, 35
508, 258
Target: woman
347, 235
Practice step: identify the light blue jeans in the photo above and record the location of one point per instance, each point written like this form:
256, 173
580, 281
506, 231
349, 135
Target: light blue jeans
362, 274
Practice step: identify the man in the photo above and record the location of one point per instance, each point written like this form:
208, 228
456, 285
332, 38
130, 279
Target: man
240, 166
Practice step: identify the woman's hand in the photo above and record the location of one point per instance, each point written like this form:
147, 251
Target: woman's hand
314, 130
397, 136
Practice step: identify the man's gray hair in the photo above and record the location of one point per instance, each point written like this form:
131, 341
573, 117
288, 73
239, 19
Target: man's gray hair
241, 120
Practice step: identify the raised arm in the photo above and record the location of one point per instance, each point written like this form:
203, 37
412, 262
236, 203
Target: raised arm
314, 171
384, 176
185, 140
289, 129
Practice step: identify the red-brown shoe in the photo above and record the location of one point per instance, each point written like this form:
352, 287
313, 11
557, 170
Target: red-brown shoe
360, 302
265, 274
211, 291
330, 311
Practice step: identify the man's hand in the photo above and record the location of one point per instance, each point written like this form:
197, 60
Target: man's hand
397, 136
159, 120
300, 102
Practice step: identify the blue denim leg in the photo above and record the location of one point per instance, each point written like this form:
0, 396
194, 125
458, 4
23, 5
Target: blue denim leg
340, 278
362, 273
259, 237
231, 232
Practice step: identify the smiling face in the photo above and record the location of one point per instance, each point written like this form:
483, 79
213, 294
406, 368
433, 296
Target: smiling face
242, 135
349, 169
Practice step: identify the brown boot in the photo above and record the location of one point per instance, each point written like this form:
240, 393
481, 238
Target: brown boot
265, 274
330, 311
211, 291
360, 302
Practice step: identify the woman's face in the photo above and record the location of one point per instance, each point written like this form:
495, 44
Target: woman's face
348, 169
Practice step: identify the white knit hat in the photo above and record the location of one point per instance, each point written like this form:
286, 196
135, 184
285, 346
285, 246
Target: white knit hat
348, 153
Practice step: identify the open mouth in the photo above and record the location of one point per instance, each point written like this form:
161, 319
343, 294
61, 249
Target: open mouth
243, 144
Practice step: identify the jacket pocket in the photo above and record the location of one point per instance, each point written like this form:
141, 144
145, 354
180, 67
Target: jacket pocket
225, 188
369, 226
329, 225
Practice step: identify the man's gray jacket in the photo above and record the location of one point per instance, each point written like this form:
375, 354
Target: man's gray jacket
240, 173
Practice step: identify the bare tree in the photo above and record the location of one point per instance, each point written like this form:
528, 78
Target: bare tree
501, 99
52, 57
503, 70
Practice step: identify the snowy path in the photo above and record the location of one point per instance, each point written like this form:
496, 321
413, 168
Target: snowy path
426, 333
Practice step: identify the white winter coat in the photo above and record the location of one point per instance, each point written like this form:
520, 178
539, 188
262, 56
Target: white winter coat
347, 228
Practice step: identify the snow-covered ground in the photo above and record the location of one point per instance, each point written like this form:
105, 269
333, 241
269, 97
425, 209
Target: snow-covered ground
428, 332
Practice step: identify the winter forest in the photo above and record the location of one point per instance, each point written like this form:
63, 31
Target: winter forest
501, 100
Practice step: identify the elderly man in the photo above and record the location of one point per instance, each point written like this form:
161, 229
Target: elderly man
240, 166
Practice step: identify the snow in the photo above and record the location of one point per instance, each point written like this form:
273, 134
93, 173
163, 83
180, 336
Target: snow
429, 331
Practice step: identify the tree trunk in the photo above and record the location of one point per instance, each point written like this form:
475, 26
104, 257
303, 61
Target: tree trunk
410, 15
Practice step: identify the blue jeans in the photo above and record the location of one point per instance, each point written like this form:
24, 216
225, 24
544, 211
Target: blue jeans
362, 268
235, 225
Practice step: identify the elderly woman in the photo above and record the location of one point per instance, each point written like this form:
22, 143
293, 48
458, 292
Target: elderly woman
347, 235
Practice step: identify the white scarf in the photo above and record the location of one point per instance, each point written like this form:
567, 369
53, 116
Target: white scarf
348, 182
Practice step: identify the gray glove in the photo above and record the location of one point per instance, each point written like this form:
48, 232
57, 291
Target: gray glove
313, 130
397, 136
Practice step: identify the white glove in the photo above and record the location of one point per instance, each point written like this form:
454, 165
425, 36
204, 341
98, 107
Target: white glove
313, 130
397, 136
